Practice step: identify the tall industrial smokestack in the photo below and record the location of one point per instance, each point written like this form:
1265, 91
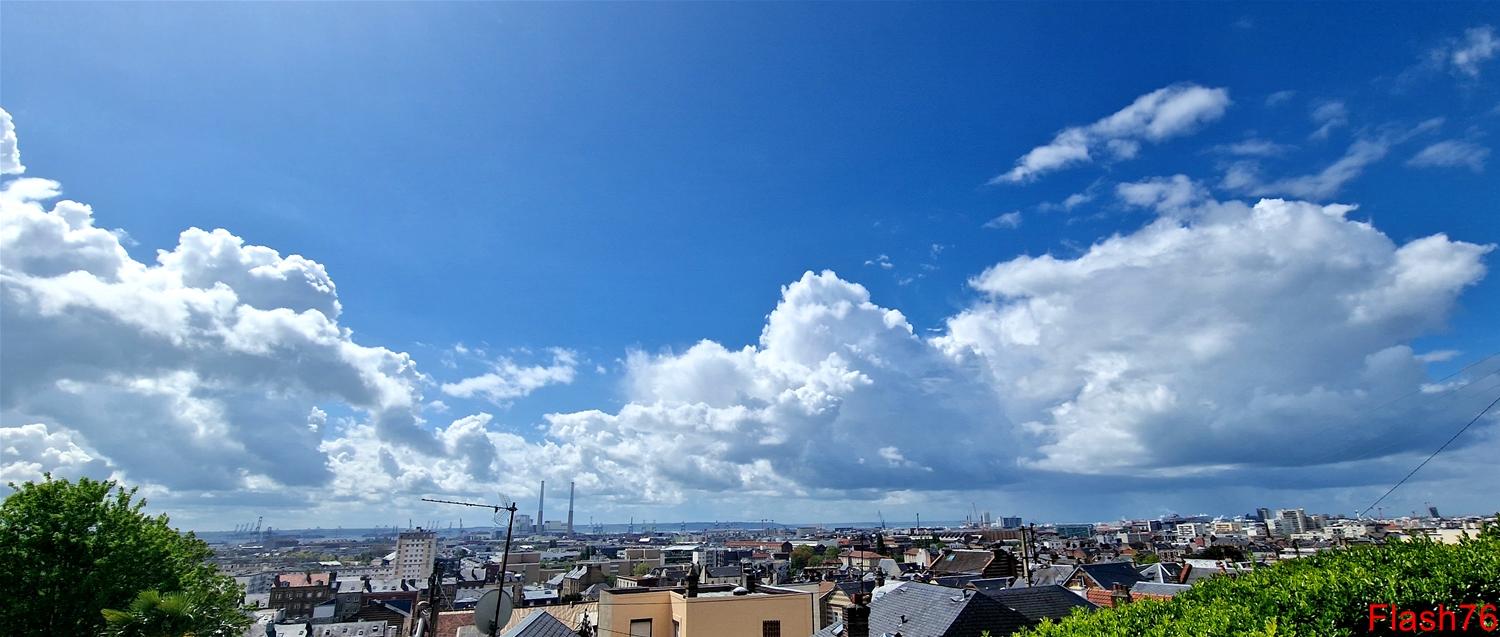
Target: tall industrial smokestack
540, 500
570, 508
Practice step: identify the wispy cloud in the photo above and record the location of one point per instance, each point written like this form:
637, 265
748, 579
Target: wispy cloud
1010, 219
508, 380
1465, 56
1253, 148
1462, 56
1452, 153
1279, 97
1329, 115
882, 261
1245, 176
1161, 114
1164, 194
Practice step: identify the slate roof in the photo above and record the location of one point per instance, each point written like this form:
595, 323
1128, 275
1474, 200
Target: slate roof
1162, 572
540, 625
992, 583
962, 561
956, 581
1046, 576
1107, 574
722, 571
850, 587
1199, 570
1155, 588
1040, 602
915, 609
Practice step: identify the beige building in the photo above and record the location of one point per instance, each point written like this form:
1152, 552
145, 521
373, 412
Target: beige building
415, 552
715, 611
528, 564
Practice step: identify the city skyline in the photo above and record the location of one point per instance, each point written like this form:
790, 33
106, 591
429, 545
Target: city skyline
701, 260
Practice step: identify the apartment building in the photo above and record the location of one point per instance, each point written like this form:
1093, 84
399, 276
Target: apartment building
708, 611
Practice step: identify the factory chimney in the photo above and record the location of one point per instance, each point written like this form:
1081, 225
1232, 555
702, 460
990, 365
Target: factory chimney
541, 499
570, 508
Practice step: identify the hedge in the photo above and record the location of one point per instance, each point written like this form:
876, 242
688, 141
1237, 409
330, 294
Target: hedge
1326, 594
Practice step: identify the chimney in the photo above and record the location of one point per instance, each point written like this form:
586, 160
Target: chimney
541, 499
692, 581
570, 508
1119, 595
857, 618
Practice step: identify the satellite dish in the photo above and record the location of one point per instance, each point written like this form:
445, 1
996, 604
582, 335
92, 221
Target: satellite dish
493, 611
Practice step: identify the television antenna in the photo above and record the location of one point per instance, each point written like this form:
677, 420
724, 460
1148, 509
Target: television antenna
503, 605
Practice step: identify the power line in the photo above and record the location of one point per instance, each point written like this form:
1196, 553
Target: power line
1431, 401
1330, 426
1434, 455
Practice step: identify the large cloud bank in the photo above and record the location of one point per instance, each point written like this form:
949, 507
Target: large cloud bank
1196, 346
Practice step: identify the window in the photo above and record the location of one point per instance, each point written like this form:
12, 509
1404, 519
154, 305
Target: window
676, 629
770, 628
640, 628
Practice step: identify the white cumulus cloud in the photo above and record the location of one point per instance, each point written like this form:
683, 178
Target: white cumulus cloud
1197, 348
10, 152
1203, 344
218, 347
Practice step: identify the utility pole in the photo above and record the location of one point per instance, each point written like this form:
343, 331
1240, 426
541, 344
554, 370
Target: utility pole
510, 526
1032, 546
1025, 557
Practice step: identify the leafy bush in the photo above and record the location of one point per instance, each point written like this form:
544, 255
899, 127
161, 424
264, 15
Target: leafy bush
1325, 594
70, 550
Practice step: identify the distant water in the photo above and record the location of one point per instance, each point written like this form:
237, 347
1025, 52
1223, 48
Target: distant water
660, 528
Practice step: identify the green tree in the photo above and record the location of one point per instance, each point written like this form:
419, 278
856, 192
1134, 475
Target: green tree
802, 557
153, 614
69, 550
1220, 552
1147, 557
641, 569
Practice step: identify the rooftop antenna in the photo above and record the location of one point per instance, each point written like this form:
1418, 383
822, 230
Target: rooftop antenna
510, 523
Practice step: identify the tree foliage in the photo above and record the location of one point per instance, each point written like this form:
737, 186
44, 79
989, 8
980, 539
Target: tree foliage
70, 550
1220, 552
1327, 594
802, 557
153, 614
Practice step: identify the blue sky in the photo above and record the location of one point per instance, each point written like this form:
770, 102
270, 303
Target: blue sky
486, 184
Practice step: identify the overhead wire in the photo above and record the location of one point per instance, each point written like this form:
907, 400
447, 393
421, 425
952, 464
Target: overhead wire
1429, 458
1330, 427
1350, 441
